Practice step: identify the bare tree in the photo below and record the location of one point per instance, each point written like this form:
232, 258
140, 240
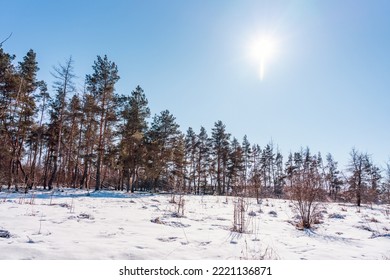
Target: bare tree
63, 85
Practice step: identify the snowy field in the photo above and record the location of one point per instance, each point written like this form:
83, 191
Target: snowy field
109, 225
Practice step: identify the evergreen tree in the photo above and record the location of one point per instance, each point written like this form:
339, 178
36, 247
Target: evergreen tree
100, 139
256, 173
298, 160
279, 174
18, 85
374, 181
101, 84
236, 167
132, 145
177, 177
88, 139
162, 139
191, 147
290, 169
220, 144
333, 177
247, 153
8, 88
202, 159
267, 168
72, 140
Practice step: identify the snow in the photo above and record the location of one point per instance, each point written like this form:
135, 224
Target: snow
74, 224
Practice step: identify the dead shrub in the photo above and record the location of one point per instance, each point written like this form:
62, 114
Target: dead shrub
306, 194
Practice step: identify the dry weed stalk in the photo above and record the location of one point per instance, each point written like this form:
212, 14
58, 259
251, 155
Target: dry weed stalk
239, 212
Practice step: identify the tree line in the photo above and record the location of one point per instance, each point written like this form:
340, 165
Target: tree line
98, 139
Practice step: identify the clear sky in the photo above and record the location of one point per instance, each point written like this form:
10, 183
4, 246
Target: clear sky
326, 86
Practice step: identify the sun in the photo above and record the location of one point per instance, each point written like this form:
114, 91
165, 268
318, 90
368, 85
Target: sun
262, 49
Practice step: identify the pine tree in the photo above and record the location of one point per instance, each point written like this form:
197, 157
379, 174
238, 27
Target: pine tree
18, 85
290, 169
132, 145
8, 84
191, 146
88, 139
162, 138
44, 100
236, 167
255, 174
101, 84
332, 176
72, 139
178, 170
279, 174
298, 160
374, 181
8, 87
220, 144
267, 168
247, 153
202, 159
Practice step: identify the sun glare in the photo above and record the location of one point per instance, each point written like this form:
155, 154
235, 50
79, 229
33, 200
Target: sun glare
262, 50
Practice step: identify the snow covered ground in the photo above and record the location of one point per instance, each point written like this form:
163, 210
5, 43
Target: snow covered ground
108, 225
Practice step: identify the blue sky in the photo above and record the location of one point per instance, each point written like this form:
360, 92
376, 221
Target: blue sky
326, 86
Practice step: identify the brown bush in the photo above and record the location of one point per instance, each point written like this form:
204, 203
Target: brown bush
306, 194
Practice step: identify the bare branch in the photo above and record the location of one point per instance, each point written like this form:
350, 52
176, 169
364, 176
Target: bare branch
9, 36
